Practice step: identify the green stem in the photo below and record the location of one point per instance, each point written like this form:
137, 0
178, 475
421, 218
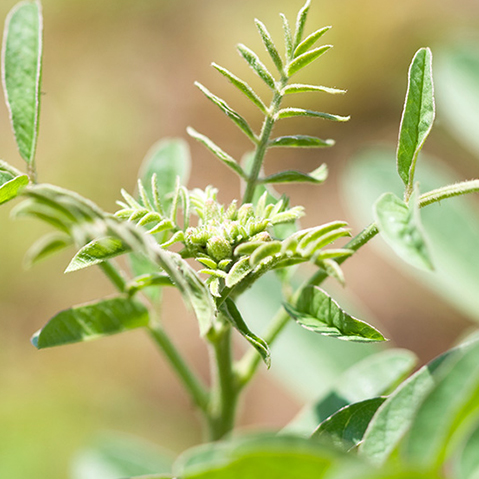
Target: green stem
449, 191
224, 396
114, 275
190, 381
262, 145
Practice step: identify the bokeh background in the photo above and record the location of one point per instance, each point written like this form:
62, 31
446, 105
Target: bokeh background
118, 76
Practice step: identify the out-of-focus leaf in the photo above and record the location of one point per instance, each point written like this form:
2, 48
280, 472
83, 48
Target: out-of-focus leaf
317, 176
397, 414
400, 226
299, 88
10, 186
376, 375
96, 252
21, 72
115, 456
451, 403
317, 311
452, 225
255, 63
467, 461
45, 246
148, 280
293, 112
345, 428
92, 321
456, 73
306, 58
301, 141
418, 114
234, 316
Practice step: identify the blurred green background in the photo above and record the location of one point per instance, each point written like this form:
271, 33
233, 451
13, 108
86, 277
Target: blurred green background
118, 75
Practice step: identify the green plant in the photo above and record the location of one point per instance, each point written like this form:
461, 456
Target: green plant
213, 253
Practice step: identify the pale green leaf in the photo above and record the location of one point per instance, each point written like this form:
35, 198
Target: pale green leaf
239, 271
217, 151
92, 321
255, 63
293, 112
270, 46
265, 253
45, 246
306, 58
317, 311
233, 315
467, 461
96, 252
299, 88
400, 226
310, 40
317, 176
10, 186
345, 428
237, 119
21, 73
243, 87
418, 115
301, 141
300, 23
288, 40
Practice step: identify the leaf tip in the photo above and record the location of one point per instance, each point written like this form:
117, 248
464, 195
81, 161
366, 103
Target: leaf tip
35, 339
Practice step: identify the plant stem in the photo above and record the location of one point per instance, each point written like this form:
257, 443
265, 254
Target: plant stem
263, 141
449, 191
224, 396
114, 275
190, 381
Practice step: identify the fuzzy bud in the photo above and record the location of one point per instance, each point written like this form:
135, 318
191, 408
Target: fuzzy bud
218, 248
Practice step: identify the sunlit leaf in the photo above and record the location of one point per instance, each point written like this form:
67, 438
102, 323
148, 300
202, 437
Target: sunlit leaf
288, 40
301, 141
317, 176
256, 64
418, 115
10, 186
22, 71
306, 58
239, 271
270, 46
310, 40
293, 112
300, 23
317, 311
92, 321
299, 88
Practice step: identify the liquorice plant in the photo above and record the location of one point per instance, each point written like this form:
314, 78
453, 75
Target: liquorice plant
212, 253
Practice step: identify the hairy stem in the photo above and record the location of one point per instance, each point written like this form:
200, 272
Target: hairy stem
262, 146
190, 381
449, 191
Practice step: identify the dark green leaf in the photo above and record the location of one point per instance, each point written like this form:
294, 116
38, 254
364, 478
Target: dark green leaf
10, 187
237, 119
452, 402
300, 23
317, 311
46, 246
242, 86
92, 321
217, 151
22, 71
345, 429
317, 176
418, 115
306, 58
301, 141
255, 63
233, 315
400, 226
310, 40
293, 112
397, 414
96, 252
270, 46
299, 88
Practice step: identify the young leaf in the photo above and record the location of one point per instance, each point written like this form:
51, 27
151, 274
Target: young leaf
264, 253
242, 86
300, 22
217, 151
301, 141
255, 63
21, 73
45, 246
91, 321
239, 271
237, 119
400, 226
10, 186
467, 462
299, 88
451, 402
292, 112
317, 311
317, 176
231, 312
309, 41
345, 429
306, 58
96, 252
147, 280
418, 115
288, 40
270, 46
396, 415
